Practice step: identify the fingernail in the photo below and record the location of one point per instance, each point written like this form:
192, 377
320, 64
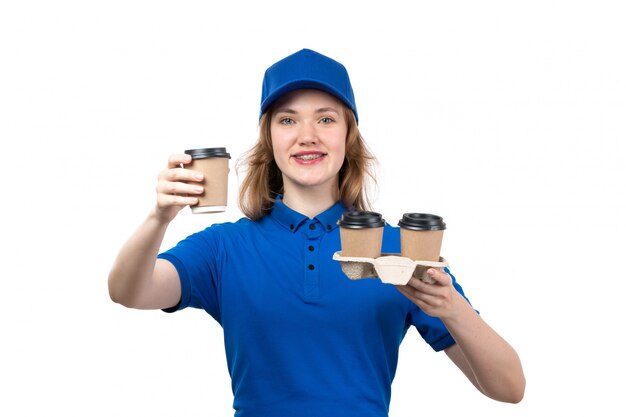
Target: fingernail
431, 272
198, 176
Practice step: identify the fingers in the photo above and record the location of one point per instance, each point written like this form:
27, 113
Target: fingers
438, 279
441, 277
178, 186
167, 200
178, 159
179, 181
433, 298
176, 172
422, 299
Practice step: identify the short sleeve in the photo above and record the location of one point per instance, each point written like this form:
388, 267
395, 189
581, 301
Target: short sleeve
196, 259
432, 329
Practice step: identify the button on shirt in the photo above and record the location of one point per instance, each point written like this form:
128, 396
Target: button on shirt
301, 338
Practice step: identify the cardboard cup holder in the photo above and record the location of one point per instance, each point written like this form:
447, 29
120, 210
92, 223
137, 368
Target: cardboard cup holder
389, 267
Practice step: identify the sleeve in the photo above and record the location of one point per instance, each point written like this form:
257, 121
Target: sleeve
197, 259
432, 329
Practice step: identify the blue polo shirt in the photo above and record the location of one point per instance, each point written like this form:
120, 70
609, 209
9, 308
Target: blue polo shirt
301, 338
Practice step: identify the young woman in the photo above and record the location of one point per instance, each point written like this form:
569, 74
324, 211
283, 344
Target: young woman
300, 338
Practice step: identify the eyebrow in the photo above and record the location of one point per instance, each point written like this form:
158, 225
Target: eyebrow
317, 111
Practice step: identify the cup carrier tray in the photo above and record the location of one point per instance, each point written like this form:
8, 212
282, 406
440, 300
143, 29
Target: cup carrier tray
389, 267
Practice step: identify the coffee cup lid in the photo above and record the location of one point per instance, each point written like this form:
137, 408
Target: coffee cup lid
208, 153
361, 220
422, 221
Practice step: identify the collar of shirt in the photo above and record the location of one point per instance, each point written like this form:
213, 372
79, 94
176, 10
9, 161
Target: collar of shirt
292, 220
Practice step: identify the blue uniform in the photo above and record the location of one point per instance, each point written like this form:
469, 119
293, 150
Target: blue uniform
301, 338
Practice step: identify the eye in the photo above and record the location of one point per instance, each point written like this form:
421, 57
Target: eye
326, 120
286, 121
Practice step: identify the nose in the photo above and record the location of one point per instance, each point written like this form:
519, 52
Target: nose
307, 134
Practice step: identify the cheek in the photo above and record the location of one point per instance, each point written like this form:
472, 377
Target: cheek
281, 154
341, 156
340, 148
278, 156
278, 145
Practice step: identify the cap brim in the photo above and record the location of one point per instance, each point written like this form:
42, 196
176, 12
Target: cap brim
303, 84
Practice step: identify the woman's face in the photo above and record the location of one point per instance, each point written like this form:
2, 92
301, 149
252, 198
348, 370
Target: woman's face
308, 130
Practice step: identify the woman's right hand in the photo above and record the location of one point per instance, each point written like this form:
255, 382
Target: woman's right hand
177, 188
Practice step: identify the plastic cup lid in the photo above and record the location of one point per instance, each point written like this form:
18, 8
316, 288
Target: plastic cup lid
208, 153
361, 220
422, 221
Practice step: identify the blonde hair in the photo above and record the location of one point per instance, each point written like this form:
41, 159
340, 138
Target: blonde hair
263, 181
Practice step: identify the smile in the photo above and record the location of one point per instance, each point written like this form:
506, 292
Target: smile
309, 156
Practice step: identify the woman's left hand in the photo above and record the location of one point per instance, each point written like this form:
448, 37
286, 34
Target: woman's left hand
483, 355
437, 299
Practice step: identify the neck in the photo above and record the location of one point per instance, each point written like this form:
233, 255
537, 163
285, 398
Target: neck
310, 202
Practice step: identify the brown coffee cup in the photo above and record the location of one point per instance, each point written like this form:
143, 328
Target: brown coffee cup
213, 163
421, 236
361, 234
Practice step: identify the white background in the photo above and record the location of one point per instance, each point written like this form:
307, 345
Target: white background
506, 118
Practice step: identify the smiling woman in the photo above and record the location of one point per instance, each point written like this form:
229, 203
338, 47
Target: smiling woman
305, 71
308, 133
298, 334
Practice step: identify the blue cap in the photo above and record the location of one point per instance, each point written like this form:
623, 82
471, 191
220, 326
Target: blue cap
307, 69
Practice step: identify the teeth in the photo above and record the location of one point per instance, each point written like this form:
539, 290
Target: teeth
309, 157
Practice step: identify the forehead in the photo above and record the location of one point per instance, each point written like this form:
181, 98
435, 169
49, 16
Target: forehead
317, 98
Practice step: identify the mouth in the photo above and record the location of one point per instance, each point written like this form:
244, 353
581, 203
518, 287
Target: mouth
308, 156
